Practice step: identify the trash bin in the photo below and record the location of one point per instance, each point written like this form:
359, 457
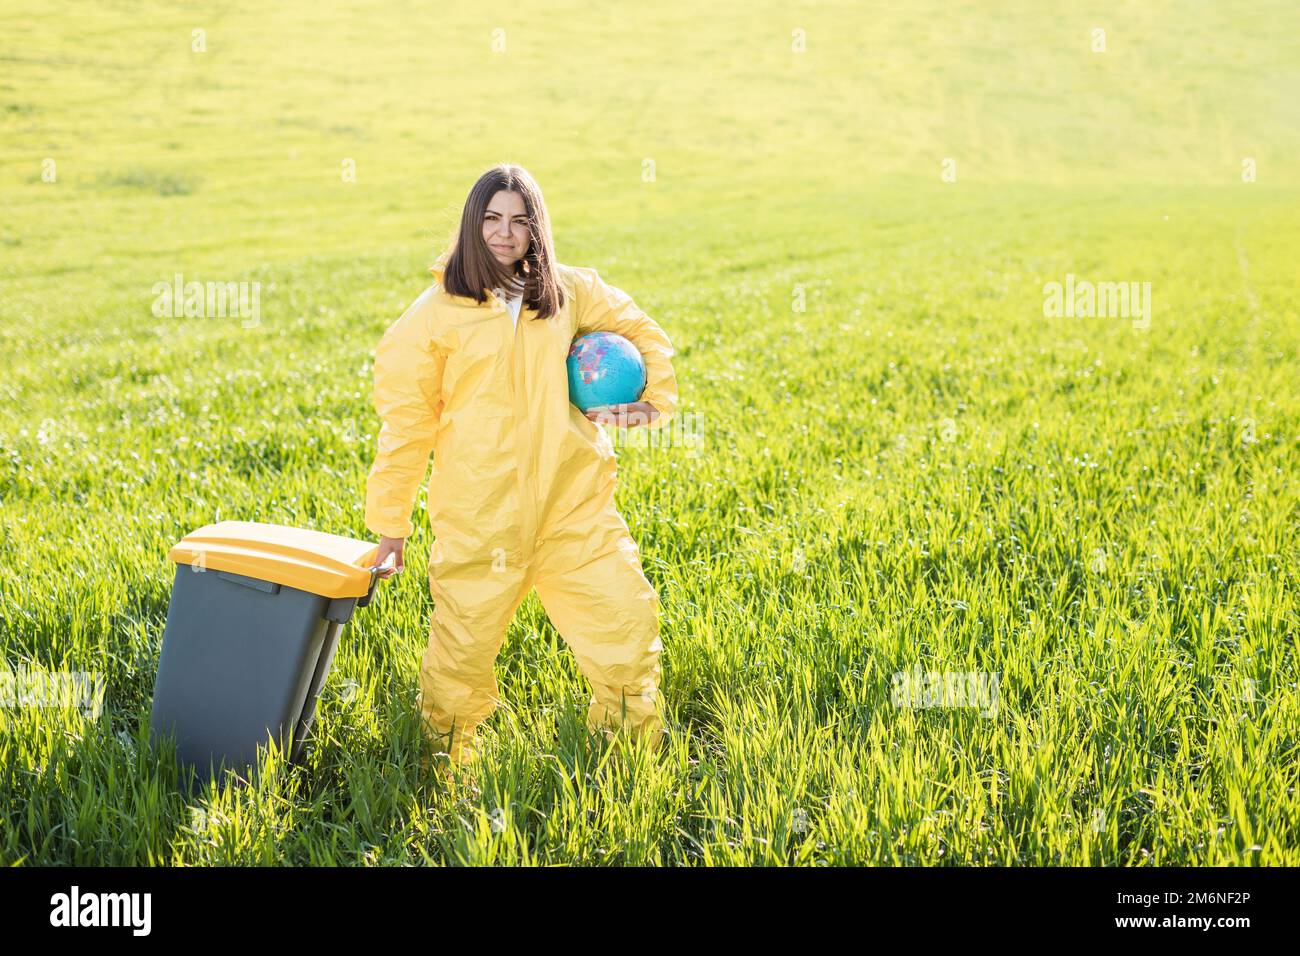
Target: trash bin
255, 615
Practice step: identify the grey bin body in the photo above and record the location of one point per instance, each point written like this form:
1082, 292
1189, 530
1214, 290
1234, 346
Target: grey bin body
243, 661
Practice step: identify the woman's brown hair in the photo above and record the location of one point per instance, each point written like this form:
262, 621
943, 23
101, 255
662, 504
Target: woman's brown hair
472, 269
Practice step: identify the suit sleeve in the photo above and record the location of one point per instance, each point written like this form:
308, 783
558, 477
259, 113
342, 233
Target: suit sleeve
602, 307
407, 386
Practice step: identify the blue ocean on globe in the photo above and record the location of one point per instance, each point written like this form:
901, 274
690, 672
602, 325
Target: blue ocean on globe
604, 369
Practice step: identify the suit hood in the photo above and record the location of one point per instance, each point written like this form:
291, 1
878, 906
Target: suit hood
440, 266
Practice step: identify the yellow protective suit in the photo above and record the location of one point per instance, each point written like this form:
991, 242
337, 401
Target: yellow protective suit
521, 496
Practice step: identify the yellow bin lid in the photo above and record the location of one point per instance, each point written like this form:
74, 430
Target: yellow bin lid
326, 564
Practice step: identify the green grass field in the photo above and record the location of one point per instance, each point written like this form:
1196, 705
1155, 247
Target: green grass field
905, 463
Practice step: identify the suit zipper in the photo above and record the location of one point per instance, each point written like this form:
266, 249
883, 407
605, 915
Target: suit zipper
523, 458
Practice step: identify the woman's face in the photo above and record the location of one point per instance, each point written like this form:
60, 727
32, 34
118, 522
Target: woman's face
505, 227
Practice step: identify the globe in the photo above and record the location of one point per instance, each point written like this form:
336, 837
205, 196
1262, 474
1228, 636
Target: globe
604, 369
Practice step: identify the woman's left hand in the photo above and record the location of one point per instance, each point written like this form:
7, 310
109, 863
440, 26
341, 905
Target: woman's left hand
624, 416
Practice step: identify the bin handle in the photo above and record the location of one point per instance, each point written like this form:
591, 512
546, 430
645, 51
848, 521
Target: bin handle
370, 591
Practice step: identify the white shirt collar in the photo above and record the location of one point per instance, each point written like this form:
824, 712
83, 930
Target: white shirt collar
514, 302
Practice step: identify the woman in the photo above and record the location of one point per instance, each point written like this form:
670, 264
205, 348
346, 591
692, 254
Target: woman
522, 490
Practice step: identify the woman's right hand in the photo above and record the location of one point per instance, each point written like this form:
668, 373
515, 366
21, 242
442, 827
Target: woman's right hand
394, 547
